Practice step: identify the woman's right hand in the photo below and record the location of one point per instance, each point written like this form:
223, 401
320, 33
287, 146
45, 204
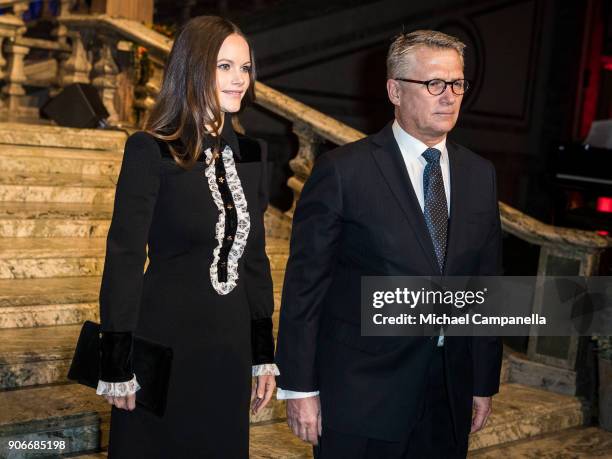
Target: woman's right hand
125, 403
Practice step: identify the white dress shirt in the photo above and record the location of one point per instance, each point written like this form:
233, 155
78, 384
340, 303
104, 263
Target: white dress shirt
412, 151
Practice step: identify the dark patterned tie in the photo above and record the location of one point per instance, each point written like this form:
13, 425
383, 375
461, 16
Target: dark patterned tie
436, 210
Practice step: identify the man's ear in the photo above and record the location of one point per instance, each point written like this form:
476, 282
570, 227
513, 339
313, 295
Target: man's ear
393, 91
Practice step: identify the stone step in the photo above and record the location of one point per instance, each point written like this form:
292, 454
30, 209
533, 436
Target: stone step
61, 301
521, 412
22, 257
52, 160
581, 442
62, 137
42, 355
63, 219
48, 301
73, 412
276, 441
75, 415
42, 187
69, 413
54, 219
267, 441
34, 356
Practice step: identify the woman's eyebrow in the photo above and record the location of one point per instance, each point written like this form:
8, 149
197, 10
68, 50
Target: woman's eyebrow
231, 61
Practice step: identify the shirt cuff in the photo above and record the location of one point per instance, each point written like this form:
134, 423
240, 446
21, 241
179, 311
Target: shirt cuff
291, 394
265, 369
118, 389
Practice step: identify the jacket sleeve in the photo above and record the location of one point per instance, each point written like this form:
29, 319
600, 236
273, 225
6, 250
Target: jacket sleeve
257, 276
487, 350
122, 279
317, 224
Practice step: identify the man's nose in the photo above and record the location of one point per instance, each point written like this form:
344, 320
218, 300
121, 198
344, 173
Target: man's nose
448, 96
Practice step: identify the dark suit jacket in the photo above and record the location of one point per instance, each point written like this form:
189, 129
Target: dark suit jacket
358, 216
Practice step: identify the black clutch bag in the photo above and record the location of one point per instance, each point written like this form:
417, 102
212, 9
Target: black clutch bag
152, 363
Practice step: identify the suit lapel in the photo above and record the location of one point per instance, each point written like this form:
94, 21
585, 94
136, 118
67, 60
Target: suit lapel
391, 164
459, 196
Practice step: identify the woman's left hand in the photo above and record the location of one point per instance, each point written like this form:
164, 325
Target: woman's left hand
262, 392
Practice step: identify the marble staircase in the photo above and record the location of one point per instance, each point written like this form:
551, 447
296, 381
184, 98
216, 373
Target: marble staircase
56, 194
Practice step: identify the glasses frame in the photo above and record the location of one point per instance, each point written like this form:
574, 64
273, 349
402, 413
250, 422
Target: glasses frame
446, 83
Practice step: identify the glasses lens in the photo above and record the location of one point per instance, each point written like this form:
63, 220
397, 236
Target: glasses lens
460, 86
436, 87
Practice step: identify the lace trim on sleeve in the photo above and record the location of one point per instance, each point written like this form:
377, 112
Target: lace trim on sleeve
265, 369
118, 389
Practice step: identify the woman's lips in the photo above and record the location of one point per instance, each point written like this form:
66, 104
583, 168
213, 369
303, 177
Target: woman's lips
233, 93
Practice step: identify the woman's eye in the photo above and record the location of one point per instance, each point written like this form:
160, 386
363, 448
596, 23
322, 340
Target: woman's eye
223, 66
246, 69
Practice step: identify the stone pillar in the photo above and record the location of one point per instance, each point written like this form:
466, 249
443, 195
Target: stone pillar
302, 164
138, 10
60, 33
2, 60
65, 6
77, 67
13, 90
149, 76
20, 8
105, 73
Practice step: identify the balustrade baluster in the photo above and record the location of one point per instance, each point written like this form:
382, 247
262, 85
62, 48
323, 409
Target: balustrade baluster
105, 73
76, 68
15, 76
302, 164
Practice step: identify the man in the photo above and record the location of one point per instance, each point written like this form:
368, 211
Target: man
408, 202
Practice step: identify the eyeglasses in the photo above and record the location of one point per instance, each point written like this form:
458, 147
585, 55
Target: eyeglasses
437, 87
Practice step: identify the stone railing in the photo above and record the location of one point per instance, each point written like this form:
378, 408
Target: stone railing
124, 60
15, 71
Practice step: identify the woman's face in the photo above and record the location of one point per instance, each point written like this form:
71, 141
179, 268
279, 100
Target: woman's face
233, 70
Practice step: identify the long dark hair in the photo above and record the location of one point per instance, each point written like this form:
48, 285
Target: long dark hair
187, 101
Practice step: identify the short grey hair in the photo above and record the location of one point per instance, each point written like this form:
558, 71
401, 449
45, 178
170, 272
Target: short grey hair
406, 43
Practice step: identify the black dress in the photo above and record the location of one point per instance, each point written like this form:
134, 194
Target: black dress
206, 293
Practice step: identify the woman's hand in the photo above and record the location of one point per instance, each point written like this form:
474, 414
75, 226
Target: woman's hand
125, 403
262, 392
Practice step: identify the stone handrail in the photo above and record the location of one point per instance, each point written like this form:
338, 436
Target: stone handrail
7, 3
312, 126
534, 231
39, 43
126, 29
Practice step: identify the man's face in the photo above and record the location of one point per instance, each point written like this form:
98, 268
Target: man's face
426, 117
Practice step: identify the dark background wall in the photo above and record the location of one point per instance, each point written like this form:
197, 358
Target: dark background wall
524, 57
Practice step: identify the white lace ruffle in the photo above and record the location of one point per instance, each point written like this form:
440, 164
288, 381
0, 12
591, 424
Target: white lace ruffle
118, 389
265, 369
244, 221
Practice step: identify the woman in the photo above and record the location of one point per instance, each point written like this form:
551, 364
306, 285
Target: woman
195, 192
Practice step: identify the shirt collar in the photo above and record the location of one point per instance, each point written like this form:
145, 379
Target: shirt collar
412, 148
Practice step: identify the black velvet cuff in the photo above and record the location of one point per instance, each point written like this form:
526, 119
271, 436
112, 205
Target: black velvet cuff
116, 357
262, 341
